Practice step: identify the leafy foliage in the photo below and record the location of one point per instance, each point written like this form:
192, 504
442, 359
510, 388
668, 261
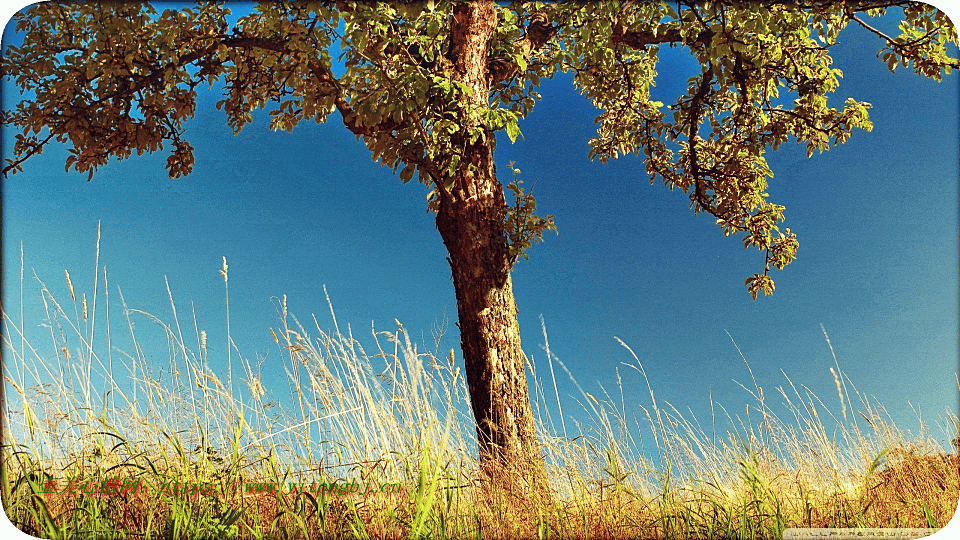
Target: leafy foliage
113, 79
522, 227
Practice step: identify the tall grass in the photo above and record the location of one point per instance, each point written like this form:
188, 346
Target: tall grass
92, 402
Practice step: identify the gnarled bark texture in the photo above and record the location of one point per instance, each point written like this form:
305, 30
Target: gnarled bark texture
470, 221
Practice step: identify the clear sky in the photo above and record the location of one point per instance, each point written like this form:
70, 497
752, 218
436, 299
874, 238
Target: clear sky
876, 219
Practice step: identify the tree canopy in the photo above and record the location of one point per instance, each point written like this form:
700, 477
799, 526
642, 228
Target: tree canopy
113, 81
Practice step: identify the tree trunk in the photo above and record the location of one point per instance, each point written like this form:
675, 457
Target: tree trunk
470, 221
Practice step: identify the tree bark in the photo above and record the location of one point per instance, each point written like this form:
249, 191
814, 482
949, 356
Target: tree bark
471, 223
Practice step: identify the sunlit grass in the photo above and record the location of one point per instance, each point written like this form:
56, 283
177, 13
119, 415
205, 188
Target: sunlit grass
94, 402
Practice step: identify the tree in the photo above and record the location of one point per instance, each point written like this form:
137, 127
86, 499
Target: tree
427, 85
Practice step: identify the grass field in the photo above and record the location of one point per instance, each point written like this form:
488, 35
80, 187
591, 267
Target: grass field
105, 441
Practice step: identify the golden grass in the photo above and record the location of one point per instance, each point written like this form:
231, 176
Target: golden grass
98, 405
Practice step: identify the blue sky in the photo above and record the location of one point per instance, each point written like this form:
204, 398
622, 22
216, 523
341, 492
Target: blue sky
876, 220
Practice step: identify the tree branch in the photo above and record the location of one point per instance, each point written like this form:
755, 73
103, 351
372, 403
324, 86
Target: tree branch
640, 39
901, 48
538, 32
14, 165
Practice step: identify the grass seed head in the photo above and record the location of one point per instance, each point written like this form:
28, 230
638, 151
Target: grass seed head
256, 389
70, 285
223, 270
836, 381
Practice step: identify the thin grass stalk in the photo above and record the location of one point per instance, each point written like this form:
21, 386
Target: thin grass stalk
22, 338
653, 399
226, 292
93, 318
553, 377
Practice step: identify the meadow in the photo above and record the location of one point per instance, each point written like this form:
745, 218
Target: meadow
103, 440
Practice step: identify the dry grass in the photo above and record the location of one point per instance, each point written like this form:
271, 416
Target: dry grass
93, 404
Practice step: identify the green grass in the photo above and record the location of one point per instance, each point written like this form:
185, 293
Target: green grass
93, 402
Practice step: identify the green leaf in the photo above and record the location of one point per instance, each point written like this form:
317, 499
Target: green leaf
521, 62
512, 130
406, 174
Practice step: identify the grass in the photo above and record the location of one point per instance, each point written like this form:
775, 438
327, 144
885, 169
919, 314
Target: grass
94, 404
